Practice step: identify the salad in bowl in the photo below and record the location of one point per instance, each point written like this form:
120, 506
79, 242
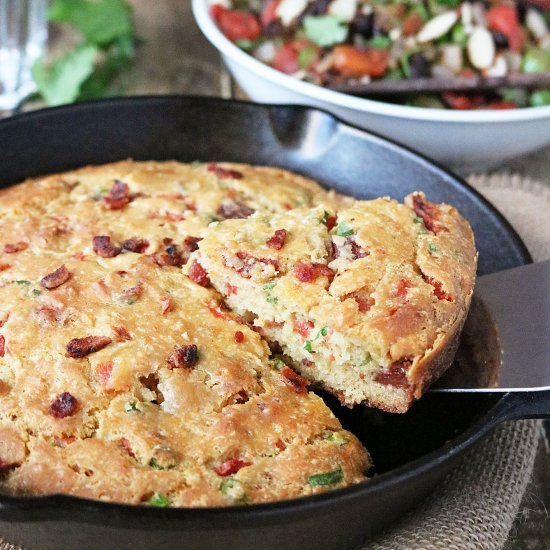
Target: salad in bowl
345, 44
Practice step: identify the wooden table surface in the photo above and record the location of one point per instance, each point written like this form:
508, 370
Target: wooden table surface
174, 57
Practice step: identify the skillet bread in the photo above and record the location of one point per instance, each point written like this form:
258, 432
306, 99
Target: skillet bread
122, 379
365, 301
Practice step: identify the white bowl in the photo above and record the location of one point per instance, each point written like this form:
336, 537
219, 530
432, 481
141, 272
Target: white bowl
465, 141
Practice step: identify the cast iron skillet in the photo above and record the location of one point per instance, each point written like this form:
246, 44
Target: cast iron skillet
412, 452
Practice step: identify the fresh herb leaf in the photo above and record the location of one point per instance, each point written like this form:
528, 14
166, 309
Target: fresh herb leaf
271, 299
307, 346
325, 30
269, 286
278, 363
61, 82
100, 21
23, 282
327, 478
432, 249
344, 230
106, 49
158, 500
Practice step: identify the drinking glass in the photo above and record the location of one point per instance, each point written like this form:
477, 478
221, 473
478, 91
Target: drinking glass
23, 37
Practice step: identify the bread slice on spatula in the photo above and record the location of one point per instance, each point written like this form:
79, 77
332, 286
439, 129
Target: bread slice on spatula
366, 302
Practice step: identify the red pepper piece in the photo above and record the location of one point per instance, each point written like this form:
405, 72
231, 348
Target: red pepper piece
231, 466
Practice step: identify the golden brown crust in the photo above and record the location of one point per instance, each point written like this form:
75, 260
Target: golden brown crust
368, 306
120, 378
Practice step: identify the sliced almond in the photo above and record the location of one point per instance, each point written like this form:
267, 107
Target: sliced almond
343, 9
438, 26
288, 10
481, 48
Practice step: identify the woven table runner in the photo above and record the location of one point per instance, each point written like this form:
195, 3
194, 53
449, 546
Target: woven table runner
475, 507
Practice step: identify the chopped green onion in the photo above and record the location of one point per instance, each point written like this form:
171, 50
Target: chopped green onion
271, 299
131, 301
158, 500
155, 465
322, 332
327, 478
344, 230
380, 42
23, 282
418, 220
232, 488
307, 346
325, 217
432, 249
269, 286
306, 57
36, 292
338, 438
278, 363
131, 406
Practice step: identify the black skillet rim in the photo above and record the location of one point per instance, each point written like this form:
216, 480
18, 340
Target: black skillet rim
78, 509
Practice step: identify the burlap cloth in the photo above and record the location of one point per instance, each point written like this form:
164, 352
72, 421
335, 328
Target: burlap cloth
475, 507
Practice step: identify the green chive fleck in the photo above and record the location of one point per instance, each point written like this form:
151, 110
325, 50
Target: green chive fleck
155, 465
337, 438
344, 230
325, 217
131, 407
307, 346
269, 286
432, 249
278, 363
158, 500
271, 299
327, 478
23, 282
36, 292
418, 220
322, 332
233, 489
132, 301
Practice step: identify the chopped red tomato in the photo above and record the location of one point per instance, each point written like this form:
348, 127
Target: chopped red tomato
231, 466
303, 328
497, 105
462, 102
104, 371
286, 59
504, 18
298, 383
238, 25
412, 24
2, 346
402, 286
269, 12
352, 62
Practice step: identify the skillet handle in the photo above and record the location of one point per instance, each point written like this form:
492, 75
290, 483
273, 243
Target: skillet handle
533, 404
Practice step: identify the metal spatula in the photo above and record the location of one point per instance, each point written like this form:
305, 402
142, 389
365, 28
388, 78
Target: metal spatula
518, 301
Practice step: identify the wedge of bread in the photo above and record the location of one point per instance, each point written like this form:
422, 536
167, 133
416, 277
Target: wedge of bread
366, 301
